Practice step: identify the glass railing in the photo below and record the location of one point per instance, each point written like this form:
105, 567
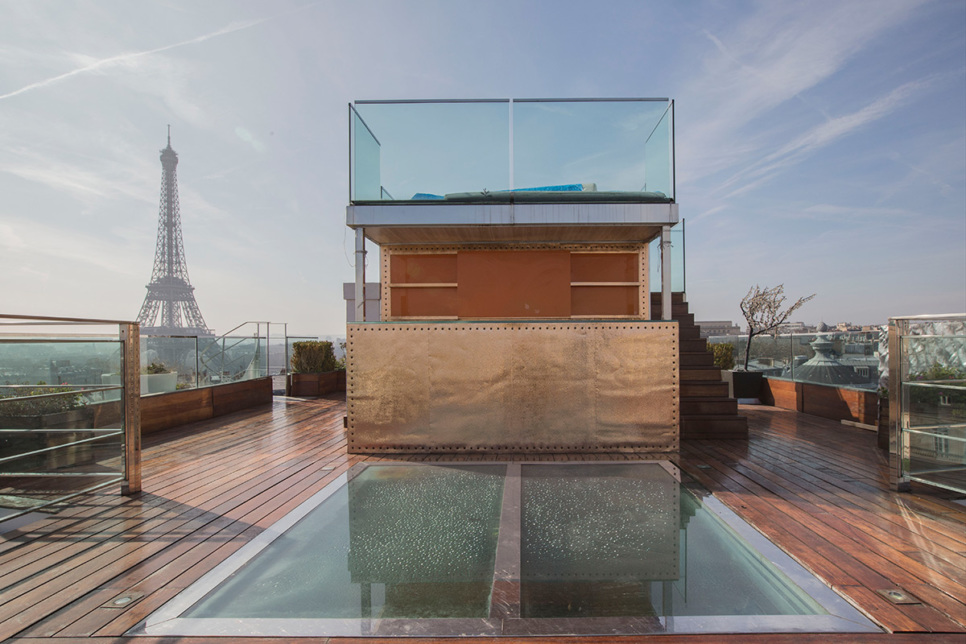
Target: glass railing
841, 359
678, 263
930, 393
520, 150
63, 427
251, 350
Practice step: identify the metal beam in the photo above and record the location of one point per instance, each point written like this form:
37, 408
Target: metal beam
666, 272
360, 313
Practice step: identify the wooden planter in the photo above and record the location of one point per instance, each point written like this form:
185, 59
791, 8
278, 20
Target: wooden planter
883, 432
307, 385
743, 384
79, 419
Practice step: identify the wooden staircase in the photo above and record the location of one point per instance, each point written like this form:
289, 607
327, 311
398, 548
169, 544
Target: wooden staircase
706, 410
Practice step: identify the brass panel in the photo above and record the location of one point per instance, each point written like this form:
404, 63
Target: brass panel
512, 387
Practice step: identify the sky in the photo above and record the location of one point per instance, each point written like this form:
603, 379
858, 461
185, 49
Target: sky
820, 145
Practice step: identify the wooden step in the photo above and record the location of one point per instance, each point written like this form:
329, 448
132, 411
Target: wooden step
676, 297
696, 359
689, 332
709, 405
676, 309
696, 346
703, 374
714, 427
703, 389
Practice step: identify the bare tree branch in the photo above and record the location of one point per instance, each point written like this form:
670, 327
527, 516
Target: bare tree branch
762, 308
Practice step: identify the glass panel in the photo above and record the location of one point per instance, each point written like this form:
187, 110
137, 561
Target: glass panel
61, 419
562, 151
588, 146
619, 540
397, 541
168, 363
933, 403
428, 150
366, 185
658, 155
678, 276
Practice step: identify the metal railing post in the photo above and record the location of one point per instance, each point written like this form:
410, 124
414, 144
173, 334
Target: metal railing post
897, 448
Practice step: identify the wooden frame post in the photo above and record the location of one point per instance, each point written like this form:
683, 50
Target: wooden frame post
131, 367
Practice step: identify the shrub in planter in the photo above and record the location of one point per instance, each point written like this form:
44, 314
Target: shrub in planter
313, 356
724, 355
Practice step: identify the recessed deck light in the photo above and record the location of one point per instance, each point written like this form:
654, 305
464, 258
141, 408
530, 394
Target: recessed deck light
124, 600
899, 596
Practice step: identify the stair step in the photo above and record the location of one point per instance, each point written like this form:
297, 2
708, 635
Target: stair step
676, 297
696, 359
714, 427
702, 389
708, 405
700, 345
702, 373
676, 309
688, 332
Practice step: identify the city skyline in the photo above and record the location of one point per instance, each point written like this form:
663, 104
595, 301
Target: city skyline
822, 146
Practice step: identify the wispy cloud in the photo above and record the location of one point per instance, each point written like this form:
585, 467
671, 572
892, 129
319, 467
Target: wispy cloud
823, 135
771, 57
131, 57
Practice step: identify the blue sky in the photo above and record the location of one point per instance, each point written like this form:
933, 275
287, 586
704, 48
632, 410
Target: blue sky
819, 144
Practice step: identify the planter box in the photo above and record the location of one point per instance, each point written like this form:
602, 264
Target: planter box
308, 385
743, 384
883, 433
12, 444
159, 383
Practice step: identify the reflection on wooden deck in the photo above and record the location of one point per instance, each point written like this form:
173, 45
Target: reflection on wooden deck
815, 487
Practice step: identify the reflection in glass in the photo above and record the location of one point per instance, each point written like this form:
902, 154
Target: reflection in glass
397, 541
627, 540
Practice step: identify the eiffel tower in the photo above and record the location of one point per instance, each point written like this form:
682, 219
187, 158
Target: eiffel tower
170, 307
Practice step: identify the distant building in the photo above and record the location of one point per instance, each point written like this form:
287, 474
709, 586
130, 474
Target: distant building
825, 368
712, 328
795, 327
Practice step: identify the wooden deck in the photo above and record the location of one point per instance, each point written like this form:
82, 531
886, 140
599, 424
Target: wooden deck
815, 487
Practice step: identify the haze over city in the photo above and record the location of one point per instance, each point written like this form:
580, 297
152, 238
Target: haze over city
821, 145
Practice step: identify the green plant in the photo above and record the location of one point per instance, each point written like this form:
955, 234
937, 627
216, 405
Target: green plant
724, 355
45, 399
156, 367
313, 356
340, 363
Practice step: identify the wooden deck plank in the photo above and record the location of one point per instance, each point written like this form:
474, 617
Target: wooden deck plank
816, 488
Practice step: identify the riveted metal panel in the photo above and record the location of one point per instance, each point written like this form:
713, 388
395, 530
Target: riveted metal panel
513, 387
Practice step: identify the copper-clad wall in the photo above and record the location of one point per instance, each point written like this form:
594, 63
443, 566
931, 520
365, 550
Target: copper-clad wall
517, 386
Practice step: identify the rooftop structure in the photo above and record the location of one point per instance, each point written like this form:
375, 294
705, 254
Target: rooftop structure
515, 304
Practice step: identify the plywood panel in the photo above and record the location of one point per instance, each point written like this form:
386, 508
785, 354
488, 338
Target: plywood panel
604, 300
514, 284
604, 267
556, 387
423, 302
423, 269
